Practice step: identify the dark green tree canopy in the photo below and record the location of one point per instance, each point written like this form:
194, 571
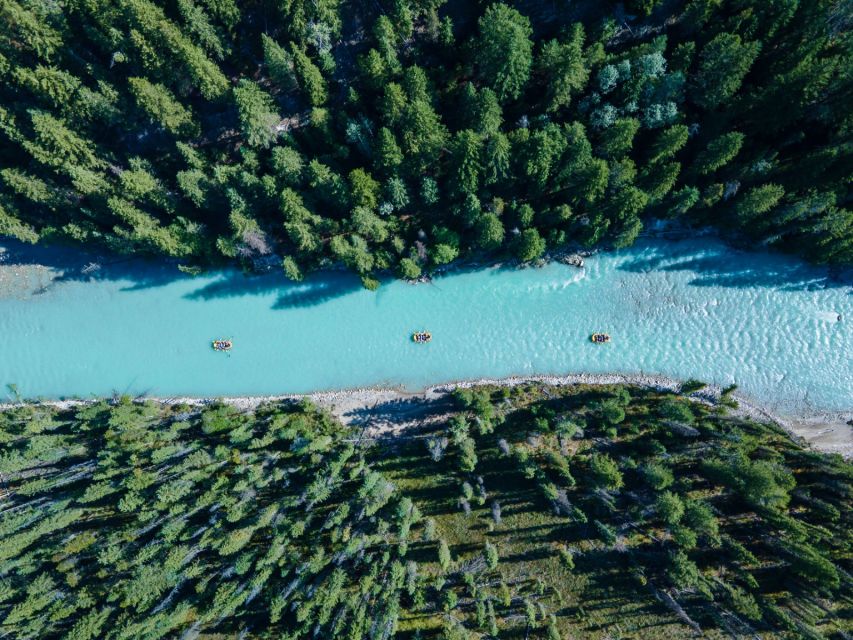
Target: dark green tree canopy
504, 50
179, 128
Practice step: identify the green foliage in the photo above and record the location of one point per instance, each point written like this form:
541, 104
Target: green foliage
723, 64
583, 127
291, 269
719, 152
161, 105
669, 142
258, 117
563, 65
467, 454
388, 153
126, 518
409, 269
490, 231
809, 564
760, 483
504, 50
758, 201
309, 77
444, 559
691, 386
364, 189
700, 518
657, 475
669, 507
467, 151
612, 412
279, 62
491, 555
530, 245
618, 139
605, 472
677, 410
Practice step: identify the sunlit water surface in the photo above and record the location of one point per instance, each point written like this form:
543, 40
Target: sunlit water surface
782, 330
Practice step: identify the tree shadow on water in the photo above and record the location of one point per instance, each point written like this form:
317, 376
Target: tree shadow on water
74, 264
316, 290
740, 269
323, 288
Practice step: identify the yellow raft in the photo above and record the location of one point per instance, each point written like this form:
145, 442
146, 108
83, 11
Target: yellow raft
421, 337
600, 338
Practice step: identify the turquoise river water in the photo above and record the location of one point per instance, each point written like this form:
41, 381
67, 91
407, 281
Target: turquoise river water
782, 330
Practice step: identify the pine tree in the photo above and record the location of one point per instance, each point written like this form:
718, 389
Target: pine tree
529, 245
466, 161
719, 152
491, 555
618, 139
388, 153
505, 52
258, 117
758, 201
723, 64
162, 106
669, 142
308, 76
279, 62
490, 231
564, 67
444, 559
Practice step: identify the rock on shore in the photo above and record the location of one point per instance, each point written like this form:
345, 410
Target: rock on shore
573, 260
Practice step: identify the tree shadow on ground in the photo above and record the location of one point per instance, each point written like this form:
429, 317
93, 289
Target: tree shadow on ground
402, 410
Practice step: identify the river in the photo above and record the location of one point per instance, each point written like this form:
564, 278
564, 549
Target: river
782, 330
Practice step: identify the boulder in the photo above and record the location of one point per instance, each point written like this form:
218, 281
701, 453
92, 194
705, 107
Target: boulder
573, 260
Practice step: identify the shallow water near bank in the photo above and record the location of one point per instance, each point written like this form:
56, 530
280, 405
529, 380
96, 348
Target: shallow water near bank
780, 329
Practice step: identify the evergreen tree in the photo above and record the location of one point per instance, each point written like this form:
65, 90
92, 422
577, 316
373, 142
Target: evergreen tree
719, 152
258, 118
162, 106
450, 116
669, 142
564, 67
723, 64
504, 50
530, 245
308, 76
758, 201
490, 231
279, 62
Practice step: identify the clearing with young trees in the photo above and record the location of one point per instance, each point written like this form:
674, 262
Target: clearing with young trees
527, 512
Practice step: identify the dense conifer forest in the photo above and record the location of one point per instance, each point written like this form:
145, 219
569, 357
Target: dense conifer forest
402, 134
523, 512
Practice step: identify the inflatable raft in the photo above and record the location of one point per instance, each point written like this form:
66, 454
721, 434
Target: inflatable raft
222, 345
421, 336
600, 338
